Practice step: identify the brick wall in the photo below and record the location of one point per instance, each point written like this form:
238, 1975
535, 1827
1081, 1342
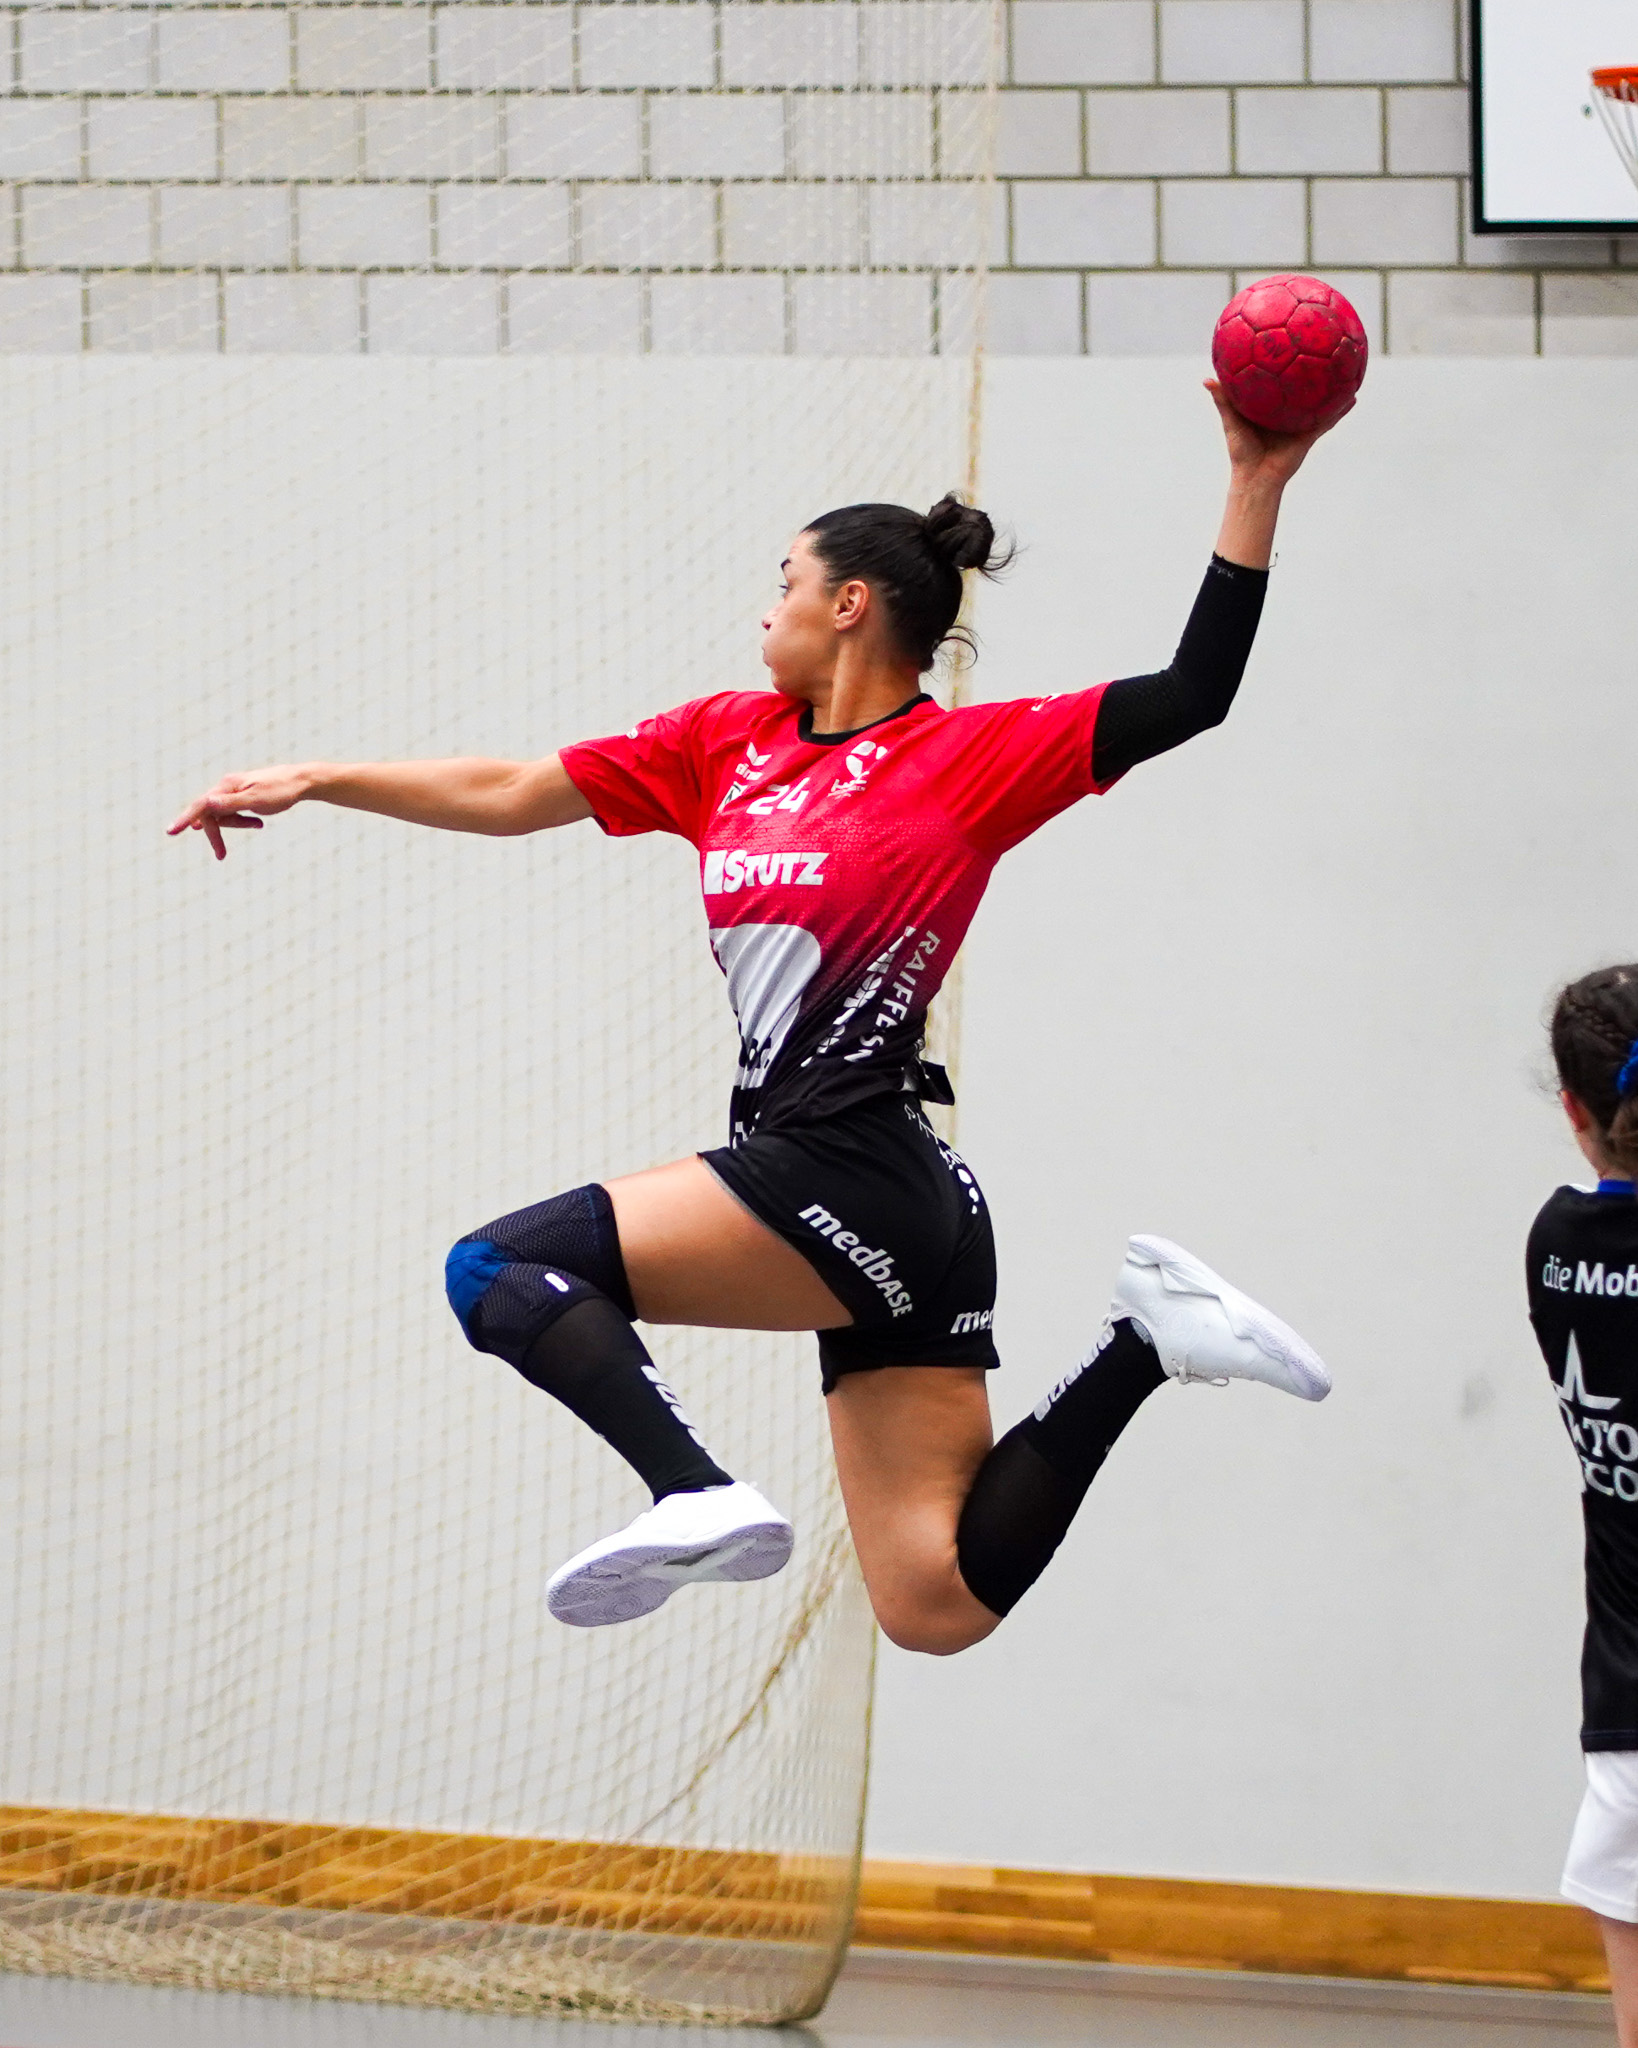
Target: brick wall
753, 175
1155, 154
563, 175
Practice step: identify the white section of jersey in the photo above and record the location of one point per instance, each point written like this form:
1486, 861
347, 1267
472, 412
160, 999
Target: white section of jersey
768, 967
1572, 1389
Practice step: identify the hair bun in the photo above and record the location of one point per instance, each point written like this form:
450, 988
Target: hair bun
960, 533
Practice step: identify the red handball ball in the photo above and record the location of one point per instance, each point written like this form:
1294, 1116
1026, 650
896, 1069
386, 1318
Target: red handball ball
1290, 352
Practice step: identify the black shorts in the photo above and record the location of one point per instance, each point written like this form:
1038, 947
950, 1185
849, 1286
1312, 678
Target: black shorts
891, 1220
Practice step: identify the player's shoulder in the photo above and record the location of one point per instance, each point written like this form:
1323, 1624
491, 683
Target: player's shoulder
1565, 1204
730, 715
719, 719
1002, 712
1566, 1216
1017, 730
1608, 1211
1584, 1241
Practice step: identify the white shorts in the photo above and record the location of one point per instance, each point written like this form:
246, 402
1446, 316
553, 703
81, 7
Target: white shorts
1601, 1871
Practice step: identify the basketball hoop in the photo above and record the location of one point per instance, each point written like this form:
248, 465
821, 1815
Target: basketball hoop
1615, 95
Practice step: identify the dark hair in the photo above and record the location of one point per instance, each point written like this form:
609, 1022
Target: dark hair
1594, 1028
914, 562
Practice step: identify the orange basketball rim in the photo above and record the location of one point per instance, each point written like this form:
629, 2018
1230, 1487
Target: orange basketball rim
1615, 95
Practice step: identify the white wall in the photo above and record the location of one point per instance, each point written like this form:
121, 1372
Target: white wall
1279, 997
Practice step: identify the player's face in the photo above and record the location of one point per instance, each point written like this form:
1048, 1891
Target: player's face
799, 633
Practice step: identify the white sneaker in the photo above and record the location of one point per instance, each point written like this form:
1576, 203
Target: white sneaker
1204, 1329
726, 1532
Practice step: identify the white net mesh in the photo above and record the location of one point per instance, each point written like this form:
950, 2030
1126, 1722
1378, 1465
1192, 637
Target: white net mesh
281, 1706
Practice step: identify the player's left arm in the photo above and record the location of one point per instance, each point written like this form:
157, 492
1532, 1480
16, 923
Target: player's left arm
1141, 716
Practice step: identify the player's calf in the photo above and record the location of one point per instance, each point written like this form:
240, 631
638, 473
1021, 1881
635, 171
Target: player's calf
1171, 1318
545, 1288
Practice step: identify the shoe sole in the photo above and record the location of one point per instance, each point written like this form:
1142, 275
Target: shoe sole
1311, 1380
623, 1585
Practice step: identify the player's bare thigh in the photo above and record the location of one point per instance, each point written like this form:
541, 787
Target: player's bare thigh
695, 1255
908, 1441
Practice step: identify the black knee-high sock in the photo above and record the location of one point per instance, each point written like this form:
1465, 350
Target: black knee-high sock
1030, 1486
593, 1361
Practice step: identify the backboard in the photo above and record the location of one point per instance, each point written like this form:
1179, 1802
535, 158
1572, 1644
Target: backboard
1542, 162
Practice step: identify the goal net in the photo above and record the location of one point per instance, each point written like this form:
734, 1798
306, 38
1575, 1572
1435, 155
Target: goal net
402, 380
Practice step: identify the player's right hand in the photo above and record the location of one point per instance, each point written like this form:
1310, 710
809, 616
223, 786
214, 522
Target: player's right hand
239, 803
1260, 454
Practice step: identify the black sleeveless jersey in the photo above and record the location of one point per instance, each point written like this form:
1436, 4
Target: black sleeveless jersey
1582, 1271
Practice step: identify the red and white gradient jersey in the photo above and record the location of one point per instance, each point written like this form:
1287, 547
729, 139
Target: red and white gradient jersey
840, 870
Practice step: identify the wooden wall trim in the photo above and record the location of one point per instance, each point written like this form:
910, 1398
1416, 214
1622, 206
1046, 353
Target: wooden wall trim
1181, 1924
952, 1908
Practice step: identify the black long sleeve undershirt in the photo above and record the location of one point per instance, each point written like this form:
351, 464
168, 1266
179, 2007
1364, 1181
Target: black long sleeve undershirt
1141, 716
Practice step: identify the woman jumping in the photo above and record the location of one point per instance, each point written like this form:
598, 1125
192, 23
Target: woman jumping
846, 827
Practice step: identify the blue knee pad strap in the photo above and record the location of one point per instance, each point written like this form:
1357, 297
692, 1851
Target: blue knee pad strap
471, 1267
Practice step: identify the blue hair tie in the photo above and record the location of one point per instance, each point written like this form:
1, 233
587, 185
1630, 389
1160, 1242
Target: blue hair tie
1627, 1080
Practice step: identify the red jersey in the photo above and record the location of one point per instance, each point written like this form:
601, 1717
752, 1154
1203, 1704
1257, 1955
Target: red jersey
840, 870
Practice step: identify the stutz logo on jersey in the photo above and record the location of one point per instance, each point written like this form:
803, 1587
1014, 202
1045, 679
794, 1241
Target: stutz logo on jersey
727, 871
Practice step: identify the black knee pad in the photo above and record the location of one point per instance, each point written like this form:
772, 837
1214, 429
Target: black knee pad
511, 1280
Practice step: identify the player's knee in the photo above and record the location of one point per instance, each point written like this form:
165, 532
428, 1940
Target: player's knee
505, 1304
573, 1234
472, 1268
511, 1279
929, 1635
936, 1622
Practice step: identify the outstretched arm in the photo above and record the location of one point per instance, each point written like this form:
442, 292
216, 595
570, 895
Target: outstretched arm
1141, 716
500, 798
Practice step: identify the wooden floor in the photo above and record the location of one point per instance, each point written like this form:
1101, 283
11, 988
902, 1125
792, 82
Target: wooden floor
886, 1999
